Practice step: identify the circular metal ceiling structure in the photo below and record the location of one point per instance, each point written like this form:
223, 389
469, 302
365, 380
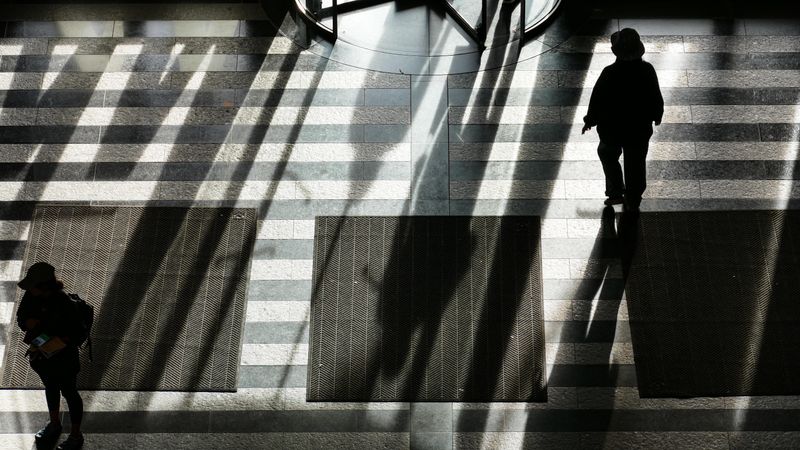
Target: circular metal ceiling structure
431, 37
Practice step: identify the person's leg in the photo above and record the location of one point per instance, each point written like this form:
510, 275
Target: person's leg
70, 392
635, 172
609, 158
52, 395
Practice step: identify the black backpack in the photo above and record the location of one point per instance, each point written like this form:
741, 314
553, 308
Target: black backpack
86, 319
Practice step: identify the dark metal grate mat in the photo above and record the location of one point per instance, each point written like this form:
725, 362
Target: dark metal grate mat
427, 309
713, 302
168, 286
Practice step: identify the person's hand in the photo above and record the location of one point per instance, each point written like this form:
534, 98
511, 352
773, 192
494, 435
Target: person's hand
31, 323
586, 128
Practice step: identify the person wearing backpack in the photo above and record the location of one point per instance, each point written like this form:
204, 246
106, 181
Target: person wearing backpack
52, 325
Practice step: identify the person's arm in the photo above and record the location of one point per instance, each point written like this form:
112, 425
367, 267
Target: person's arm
657, 98
596, 101
25, 319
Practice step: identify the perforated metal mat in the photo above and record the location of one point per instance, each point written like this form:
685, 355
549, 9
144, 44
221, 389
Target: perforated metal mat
427, 309
168, 286
714, 302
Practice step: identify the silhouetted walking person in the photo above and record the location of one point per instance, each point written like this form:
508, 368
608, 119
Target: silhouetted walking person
52, 326
625, 103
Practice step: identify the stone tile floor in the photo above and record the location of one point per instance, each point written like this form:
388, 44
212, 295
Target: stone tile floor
209, 107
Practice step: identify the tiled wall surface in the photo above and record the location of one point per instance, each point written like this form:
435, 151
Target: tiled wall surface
220, 112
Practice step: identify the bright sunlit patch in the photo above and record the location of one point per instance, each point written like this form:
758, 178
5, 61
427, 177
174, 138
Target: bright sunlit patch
176, 51
89, 115
50, 77
758, 323
64, 49
178, 114
10, 50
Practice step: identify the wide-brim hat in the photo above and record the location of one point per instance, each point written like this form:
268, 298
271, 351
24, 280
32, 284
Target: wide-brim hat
626, 44
38, 273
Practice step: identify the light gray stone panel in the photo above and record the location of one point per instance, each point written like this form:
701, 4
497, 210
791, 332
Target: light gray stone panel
745, 114
655, 440
182, 28
235, 46
23, 46
743, 78
726, 44
17, 116
66, 28
507, 151
746, 150
684, 26
496, 79
506, 189
602, 44
12, 80
514, 441
282, 440
109, 46
103, 81
771, 189
750, 440
217, 80
504, 114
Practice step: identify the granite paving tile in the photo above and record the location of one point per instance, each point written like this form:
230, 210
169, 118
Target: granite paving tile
683, 26
100, 28
286, 421
15, 422
108, 46
171, 97
61, 172
11, 250
283, 249
386, 133
281, 290
592, 375
181, 28
428, 440
48, 134
22, 46
387, 97
123, 134
302, 97
56, 63
145, 421
778, 131
773, 27
431, 417
272, 376
383, 421
276, 333
254, 28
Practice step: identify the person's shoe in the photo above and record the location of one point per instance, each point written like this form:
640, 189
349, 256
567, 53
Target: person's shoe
72, 443
631, 207
49, 432
616, 200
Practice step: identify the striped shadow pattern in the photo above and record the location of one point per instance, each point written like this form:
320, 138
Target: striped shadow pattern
417, 309
168, 286
713, 303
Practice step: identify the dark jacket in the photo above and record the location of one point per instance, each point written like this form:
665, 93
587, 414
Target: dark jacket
625, 102
56, 312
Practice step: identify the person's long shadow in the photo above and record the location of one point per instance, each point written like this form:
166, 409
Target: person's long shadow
596, 323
